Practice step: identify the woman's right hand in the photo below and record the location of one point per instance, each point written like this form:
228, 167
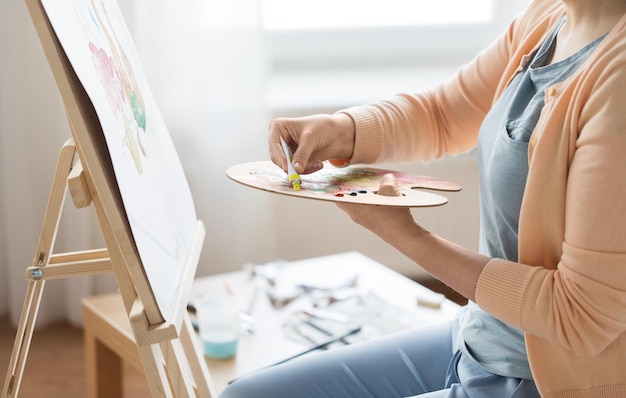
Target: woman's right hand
312, 140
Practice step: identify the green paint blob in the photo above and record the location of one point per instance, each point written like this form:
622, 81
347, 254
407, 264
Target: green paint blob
139, 112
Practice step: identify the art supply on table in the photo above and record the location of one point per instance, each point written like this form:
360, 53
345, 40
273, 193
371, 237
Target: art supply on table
317, 347
326, 314
294, 178
322, 345
312, 323
431, 300
219, 325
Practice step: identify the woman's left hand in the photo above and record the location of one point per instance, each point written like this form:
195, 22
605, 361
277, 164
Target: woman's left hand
455, 265
381, 220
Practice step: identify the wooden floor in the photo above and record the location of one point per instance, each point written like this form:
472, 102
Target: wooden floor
56, 366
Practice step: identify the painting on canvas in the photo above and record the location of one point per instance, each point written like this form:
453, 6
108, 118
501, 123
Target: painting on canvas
151, 180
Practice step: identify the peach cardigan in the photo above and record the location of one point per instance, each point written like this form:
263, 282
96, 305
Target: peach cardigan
568, 292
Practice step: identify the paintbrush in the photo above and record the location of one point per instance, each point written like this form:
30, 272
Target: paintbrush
322, 345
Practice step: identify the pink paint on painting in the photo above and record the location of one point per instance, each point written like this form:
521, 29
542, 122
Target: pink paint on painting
109, 77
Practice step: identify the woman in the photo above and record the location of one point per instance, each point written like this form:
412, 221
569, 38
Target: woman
546, 107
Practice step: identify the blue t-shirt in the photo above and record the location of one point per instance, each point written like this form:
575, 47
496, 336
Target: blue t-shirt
503, 168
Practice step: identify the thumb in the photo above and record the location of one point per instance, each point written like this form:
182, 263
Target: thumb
301, 158
389, 186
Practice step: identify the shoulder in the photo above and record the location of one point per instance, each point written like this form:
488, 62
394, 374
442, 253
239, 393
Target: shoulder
613, 47
538, 19
602, 80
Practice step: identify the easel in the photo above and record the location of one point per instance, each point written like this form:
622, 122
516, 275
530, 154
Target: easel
169, 351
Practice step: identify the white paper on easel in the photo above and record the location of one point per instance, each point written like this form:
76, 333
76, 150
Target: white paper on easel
151, 180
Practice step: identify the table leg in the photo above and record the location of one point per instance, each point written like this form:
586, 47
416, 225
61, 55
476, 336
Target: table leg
103, 369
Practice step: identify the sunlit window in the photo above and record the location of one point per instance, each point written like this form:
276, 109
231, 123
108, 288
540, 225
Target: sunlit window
365, 33
280, 15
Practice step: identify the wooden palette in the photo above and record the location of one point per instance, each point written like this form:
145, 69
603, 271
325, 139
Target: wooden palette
350, 184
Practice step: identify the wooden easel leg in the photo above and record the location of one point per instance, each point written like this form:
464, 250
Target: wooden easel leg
193, 353
154, 366
35, 287
23, 338
178, 372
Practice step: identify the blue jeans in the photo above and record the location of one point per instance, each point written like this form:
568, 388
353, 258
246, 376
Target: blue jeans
415, 363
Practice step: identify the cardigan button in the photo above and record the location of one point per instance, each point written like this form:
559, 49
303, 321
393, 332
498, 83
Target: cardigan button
551, 92
533, 141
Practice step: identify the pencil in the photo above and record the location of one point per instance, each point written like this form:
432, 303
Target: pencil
317, 347
294, 178
320, 346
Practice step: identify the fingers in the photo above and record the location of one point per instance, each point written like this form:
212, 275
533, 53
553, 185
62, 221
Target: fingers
302, 161
279, 128
389, 186
294, 132
312, 140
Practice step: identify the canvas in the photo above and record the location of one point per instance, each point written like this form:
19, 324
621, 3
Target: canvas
152, 184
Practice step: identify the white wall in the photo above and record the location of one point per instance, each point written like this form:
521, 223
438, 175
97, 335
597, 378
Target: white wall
210, 84
33, 128
243, 225
4, 297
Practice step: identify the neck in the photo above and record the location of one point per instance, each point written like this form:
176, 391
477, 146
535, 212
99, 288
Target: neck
593, 17
586, 21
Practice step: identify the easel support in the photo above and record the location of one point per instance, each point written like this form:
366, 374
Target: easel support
171, 356
66, 265
48, 266
165, 349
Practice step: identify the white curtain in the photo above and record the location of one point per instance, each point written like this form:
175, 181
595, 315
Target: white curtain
206, 65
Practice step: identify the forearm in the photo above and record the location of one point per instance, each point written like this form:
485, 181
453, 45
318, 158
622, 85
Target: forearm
454, 265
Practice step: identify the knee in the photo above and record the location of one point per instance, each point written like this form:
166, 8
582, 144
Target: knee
233, 392
244, 388
239, 390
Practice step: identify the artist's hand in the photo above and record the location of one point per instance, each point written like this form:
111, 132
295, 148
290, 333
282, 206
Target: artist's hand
312, 140
384, 221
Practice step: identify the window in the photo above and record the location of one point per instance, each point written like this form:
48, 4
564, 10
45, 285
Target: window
373, 33
333, 14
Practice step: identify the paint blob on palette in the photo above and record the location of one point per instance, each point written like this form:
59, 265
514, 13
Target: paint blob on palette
351, 184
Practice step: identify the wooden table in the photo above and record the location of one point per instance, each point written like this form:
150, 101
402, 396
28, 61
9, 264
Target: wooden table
109, 340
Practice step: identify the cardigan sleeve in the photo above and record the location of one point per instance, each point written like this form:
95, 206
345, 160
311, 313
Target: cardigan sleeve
444, 120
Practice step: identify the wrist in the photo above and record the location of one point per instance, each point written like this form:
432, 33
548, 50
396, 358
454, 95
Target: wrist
346, 133
367, 135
